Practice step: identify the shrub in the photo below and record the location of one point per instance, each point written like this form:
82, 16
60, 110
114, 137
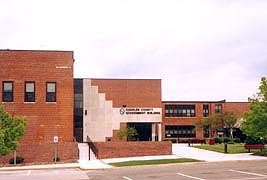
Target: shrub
183, 140
173, 140
218, 140
226, 140
18, 160
57, 159
237, 140
251, 140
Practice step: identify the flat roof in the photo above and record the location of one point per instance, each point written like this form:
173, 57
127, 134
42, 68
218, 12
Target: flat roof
36, 50
118, 79
221, 101
42, 51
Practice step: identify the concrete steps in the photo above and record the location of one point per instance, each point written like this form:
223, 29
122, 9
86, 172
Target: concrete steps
84, 152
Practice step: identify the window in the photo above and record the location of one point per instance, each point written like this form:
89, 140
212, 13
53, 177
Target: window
206, 132
218, 108
50, 92
180, 110
7, 95
180, 131
205, 110
29, 95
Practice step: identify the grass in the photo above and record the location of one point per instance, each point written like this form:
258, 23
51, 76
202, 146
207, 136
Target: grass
261, 153
231, 148
152, 162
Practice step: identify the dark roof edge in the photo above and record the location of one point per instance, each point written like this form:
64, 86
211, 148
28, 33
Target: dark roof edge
36, 50
221, 101
119, 78
21, 50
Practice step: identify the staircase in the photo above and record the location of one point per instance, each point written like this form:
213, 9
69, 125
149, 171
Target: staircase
84, 152
84, 161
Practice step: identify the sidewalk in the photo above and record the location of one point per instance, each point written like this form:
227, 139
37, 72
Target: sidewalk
179, 151
183, 150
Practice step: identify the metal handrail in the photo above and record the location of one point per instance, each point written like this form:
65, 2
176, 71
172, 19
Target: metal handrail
92, 146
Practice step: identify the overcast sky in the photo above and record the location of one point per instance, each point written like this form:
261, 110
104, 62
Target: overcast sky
202, 50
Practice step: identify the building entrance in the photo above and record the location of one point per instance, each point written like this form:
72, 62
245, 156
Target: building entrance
144, 131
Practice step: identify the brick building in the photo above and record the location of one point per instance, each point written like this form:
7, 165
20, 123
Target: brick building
104, 106
39, 86
179, 117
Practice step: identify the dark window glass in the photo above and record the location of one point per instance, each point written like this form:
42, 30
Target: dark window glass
180, 110
50, 92
180, 131
206, 132
29, 95
205, 110
7, 95
218, 108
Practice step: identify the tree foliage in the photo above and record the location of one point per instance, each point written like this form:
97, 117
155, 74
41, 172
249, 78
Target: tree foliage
128, 132
227, 119
255, 124
11, 131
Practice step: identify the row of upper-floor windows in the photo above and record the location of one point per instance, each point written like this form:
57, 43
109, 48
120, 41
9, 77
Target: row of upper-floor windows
172, 110
29, 91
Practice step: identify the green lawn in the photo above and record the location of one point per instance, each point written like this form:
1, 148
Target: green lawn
152, 162
232, 148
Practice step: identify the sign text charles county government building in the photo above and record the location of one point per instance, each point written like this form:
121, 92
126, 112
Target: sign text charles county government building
134, 111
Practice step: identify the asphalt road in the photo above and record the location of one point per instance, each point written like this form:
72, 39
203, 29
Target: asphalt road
237, 170
49, 174
231, 170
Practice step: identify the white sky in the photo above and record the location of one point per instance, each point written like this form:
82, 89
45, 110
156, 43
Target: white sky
201, 49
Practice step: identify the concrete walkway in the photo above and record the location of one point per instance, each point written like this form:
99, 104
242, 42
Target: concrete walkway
183, 150
179, 151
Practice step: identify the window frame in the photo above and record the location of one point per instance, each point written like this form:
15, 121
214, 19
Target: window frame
206, 110
25, 92
218, 108
180, 110
47, 98
4, 92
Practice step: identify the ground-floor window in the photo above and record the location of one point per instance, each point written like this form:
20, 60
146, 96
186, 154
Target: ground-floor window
206, 133
180, 131
144, 131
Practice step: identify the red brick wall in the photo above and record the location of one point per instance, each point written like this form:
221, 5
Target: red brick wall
44, 120
238, 107
44, 152
131, 149
131, 92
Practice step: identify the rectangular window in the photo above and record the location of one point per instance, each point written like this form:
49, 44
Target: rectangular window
205, 110
180, 110
180, 132
29, 95
218, 108
206, 133
50, 92
8, 89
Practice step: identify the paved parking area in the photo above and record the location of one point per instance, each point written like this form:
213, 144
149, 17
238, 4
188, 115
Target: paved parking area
47, 174
234, 170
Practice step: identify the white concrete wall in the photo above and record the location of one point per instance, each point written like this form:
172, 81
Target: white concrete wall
102, 118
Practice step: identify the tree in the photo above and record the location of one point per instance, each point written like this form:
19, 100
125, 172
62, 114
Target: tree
255, 120
226, 119
211, 122
230, 120
128, 132
11, 131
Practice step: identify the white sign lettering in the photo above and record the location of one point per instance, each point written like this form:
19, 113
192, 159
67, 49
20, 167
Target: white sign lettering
130, 111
